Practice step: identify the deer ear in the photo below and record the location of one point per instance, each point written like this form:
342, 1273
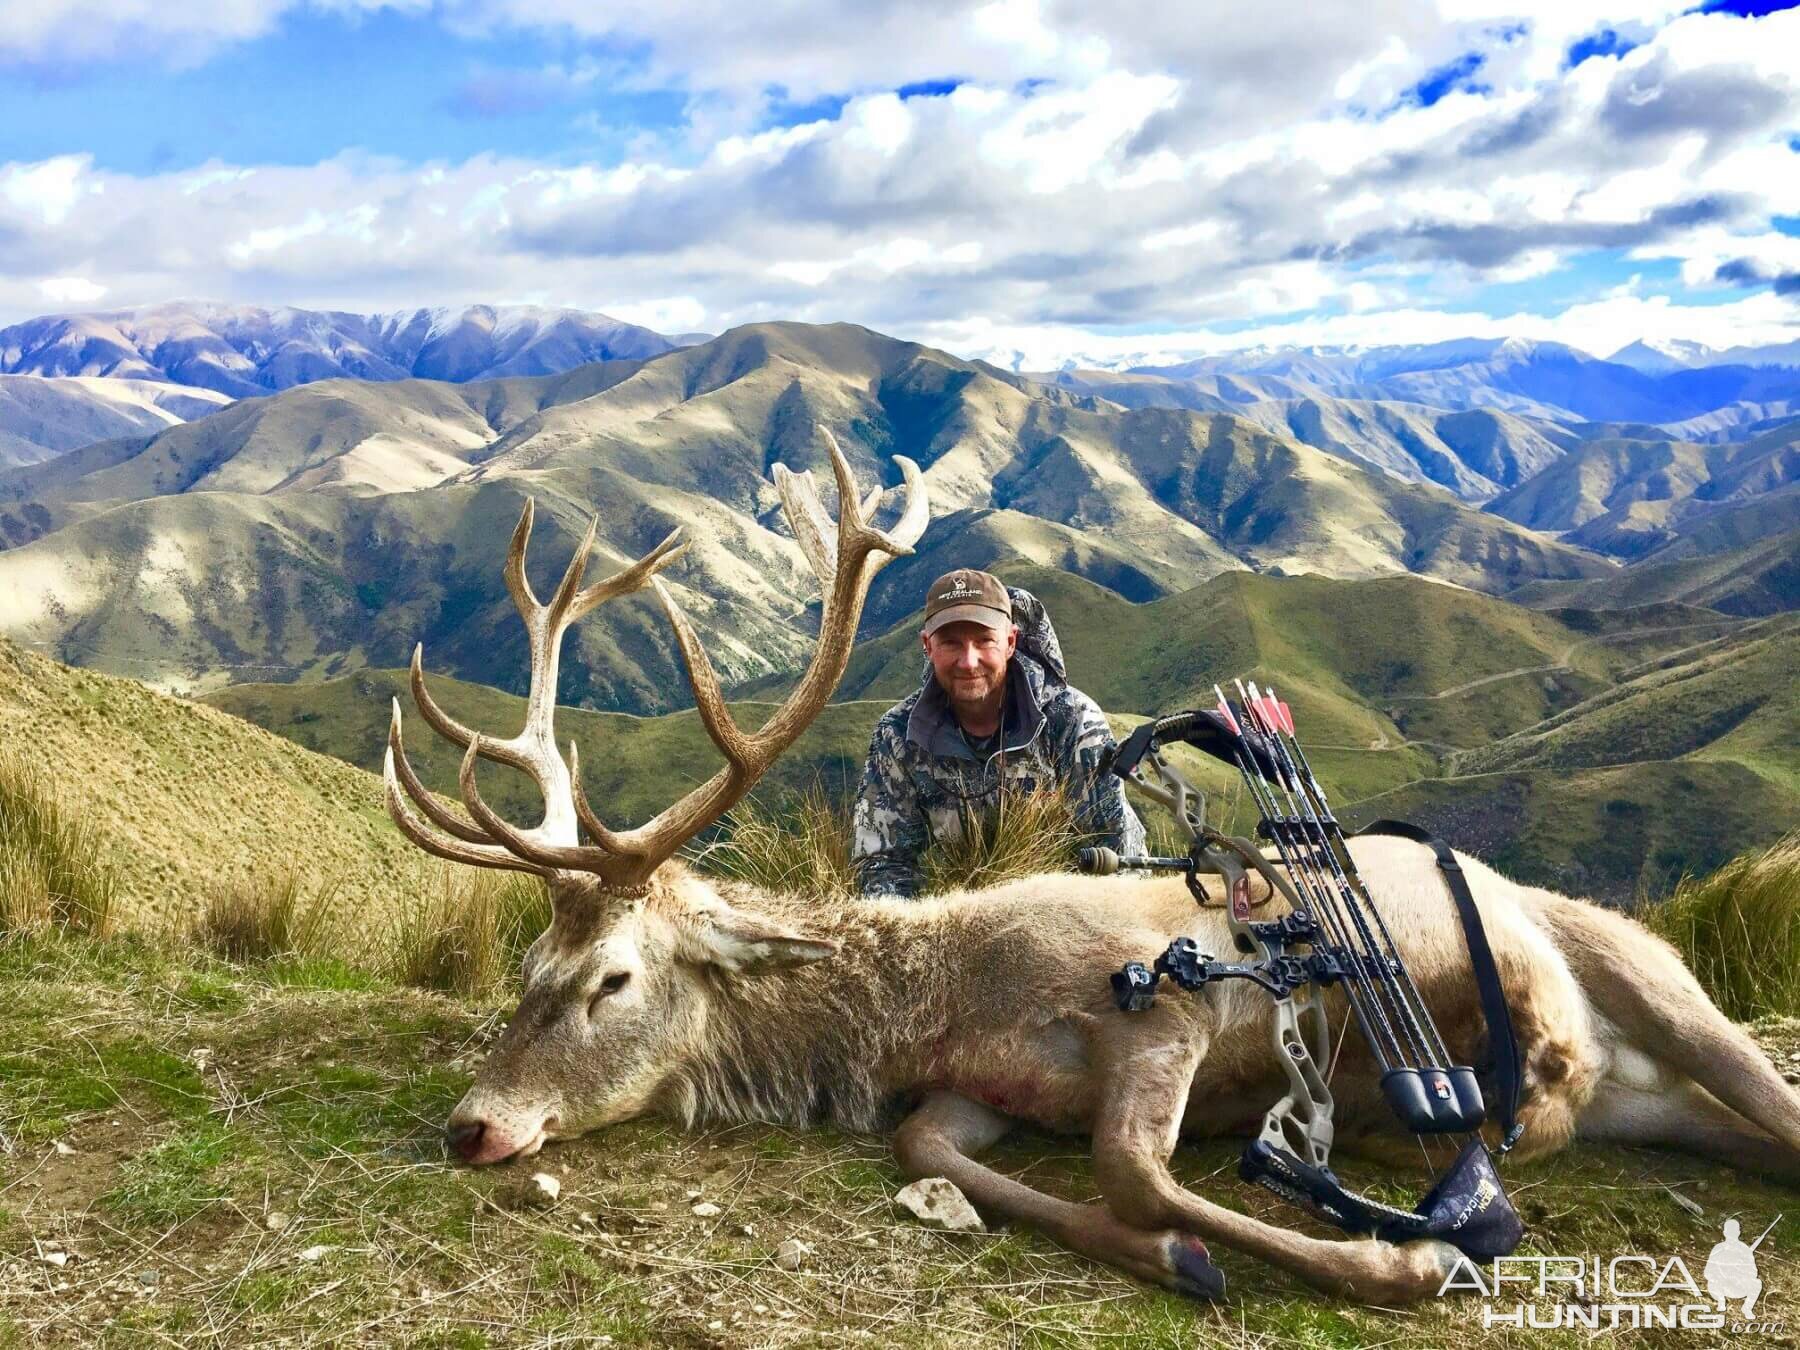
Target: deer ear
748, 944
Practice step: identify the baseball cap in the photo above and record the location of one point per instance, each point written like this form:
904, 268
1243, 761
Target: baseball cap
967, 596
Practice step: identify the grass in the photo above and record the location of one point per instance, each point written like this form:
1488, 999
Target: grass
1739, 930
802, 845
55, 868
799, 845
265, 917
294, 1192
468, 931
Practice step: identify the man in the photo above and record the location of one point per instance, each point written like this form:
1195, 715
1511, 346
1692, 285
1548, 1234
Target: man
995, 712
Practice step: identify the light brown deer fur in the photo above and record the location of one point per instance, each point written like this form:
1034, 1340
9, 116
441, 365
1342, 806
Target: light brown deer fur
657, 991
952, 1018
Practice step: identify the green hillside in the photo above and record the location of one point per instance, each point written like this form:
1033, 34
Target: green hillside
1367, 663
1394, 683
1749, 579
190, 797
1606, 833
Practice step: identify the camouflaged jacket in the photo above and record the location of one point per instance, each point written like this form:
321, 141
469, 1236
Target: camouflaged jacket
923, 780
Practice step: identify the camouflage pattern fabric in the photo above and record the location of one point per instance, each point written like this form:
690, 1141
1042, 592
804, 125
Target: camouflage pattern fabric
922, 781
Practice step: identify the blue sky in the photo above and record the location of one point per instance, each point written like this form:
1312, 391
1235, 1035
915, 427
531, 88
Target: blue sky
1029, 180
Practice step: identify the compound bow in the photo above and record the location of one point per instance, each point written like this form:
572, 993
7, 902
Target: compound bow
1333, 934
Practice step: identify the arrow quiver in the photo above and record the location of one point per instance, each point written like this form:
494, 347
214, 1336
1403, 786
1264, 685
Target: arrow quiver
1332, 934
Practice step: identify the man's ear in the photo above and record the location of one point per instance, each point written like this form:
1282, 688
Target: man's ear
746, 944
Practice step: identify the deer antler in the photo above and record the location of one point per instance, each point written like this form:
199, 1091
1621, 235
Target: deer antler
845, 556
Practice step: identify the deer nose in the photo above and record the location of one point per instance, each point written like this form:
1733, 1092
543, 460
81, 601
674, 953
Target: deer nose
465, 1139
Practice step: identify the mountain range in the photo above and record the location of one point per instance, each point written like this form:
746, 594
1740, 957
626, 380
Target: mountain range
1484, 610
326, 527
242, 351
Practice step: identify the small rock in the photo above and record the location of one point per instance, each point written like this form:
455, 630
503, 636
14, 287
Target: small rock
149, 1278
659, 1204
715, 1325
540, 1190
693, 1193
792, 1254
57, 1259
276, 1221
314, 1253
937, 1201
759, 1308
746, 1230
1791, 1076
62, 1149
706, 1209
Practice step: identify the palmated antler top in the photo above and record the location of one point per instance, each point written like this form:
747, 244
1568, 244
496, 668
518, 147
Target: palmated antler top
845, 556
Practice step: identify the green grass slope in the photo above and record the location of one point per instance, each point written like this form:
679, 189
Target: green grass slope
1758, 578
1369, 664
1611, 833
1735, 698
190, 796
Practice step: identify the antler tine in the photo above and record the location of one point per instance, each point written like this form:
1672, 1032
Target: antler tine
520, 842
850, 515
518, 585
709, 699
442, 846
629, 579
899, 538
440, 816
603, 833
448, 727
812, 528
558, 610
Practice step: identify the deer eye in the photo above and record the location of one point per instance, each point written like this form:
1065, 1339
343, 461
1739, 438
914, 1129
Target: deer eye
608, 987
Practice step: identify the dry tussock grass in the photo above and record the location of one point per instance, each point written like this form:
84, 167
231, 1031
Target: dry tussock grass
55, 867
1739, 930
466, 931
801, 845
266, 917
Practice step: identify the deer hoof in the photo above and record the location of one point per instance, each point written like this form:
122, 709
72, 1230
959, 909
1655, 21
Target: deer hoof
1194, 1273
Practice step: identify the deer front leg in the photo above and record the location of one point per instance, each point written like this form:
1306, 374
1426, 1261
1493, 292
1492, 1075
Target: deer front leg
938, 1139
1148, 1067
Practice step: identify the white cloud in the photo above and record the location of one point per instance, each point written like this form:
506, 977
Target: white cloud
70, 290
49, 189
1179, 172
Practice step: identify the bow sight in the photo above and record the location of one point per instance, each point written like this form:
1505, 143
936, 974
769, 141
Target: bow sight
1333, 935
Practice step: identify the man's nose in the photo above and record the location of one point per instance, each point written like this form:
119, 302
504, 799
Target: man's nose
969, 658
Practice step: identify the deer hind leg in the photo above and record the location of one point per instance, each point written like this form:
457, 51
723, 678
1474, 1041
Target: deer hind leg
1646, 1103
1148, 1080
1681, 1073
939, 1139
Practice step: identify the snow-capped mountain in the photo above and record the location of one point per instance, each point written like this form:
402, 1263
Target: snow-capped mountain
1658, 356
243, 351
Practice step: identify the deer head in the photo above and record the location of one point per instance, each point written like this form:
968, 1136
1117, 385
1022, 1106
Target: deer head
615, 987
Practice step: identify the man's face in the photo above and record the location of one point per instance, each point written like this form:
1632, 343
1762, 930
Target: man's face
969, 660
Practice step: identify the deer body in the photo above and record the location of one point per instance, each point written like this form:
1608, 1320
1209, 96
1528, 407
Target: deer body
949, 1019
